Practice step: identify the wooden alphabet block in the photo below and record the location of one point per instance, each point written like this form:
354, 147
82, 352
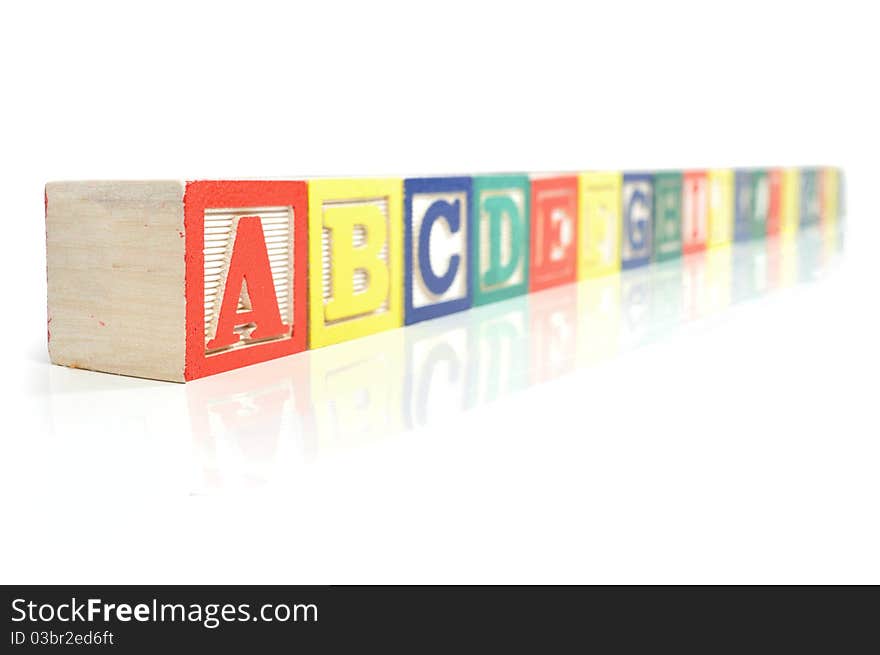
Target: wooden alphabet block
667, 216
554, 227
638, 212
600, 224
774, 203
721, 191
501, 237
760, 203
174, 281
695, 212
789, 202
830, 194
356, 242
810, 203
246, 295
438, 229
744, 205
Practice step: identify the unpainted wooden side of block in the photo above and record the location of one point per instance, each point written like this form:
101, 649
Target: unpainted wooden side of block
115, 277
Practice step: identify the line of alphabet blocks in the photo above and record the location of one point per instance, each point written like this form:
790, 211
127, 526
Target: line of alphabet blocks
271, 268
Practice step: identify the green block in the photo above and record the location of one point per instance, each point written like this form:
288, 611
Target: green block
500, 244
667, 216
760, 204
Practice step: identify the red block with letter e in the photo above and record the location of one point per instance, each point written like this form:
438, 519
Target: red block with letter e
554, 224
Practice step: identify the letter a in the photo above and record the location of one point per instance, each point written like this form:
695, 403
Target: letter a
249, 264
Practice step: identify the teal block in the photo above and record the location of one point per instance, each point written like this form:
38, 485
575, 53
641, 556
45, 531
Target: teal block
500, 245
667, 216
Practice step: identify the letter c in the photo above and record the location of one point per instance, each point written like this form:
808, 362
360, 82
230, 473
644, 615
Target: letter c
451, 212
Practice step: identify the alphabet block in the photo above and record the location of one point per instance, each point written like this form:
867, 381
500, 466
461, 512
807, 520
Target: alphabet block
830, 194
744, 205
175, 281
760, 204
501, 237
246, 247
601, 224
810, 203
638, 211
789, 202
356, 258
554, 224
667, 216
774, 203
695, 212
438, 233
721, 191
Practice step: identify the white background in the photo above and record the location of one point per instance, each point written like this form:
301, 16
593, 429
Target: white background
739, 449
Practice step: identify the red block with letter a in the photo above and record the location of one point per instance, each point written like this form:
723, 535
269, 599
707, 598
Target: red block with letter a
774, 184
246, 266
694, 211
554, 224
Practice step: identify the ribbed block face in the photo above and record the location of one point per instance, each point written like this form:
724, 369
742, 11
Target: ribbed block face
810, 200
638, 210
721, 190
744, 205
600, 224
501, 243
358, 278
245, 273
760, 204
438, 235
695, 211
667, 216
554, 227
278, 234
356, 258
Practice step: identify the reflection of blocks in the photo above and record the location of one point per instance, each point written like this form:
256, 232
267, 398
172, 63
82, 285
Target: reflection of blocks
720, 207
553, 332
749, 270
245, 295
695, 212
554, 232
438, 235
356, 390
717, 279
498, 351
598, 319
600, 224
694, 287
667, 294
667, 216
436, 371
356, 256
635, 308
638, 210
501, 237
